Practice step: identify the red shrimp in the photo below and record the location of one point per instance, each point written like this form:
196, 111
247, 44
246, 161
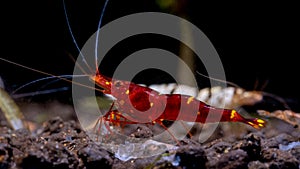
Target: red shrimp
149, 106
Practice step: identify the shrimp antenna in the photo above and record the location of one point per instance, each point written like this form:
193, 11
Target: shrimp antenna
219, 80
281, 100
97, 34
46, 78
40, 92
49, 74
73, 38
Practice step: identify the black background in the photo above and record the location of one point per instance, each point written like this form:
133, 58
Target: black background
257, 42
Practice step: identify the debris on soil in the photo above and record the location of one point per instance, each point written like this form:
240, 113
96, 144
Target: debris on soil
63, 144
11, 110
288, 116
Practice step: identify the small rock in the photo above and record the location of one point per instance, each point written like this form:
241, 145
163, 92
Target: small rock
93, 156
274, 142
142, 132
257, 165
221, 147
296, 152
279, 159
190, 156
251, 144
164, 165
5, 154
233, 159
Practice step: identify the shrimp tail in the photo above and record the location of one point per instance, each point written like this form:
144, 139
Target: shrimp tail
233, 116
256, 123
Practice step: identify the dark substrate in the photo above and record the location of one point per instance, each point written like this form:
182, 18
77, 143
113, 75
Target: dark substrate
63, 144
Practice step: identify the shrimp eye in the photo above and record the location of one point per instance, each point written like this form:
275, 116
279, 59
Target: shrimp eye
118, 83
